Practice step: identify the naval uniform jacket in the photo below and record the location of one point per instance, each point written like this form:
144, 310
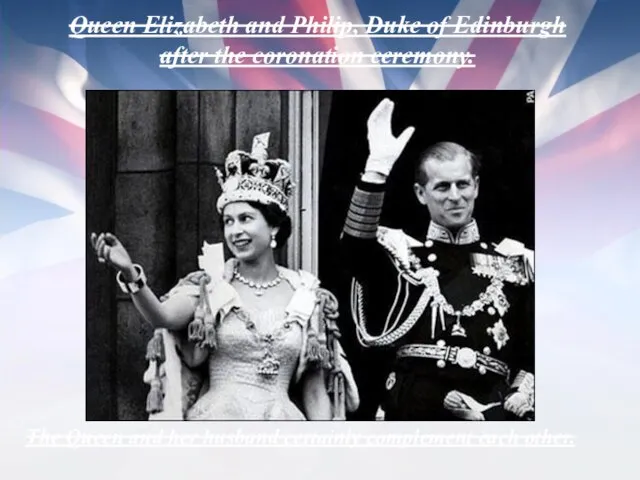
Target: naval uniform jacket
429, 364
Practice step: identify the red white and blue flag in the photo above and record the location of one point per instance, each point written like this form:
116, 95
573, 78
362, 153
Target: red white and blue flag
587, 101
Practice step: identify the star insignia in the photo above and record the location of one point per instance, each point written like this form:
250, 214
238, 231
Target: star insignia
499, 333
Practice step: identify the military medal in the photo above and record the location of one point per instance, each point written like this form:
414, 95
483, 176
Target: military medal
499, 334
493, 299
511, 269
458, 330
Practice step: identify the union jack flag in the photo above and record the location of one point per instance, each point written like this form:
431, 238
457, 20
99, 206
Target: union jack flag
586, 99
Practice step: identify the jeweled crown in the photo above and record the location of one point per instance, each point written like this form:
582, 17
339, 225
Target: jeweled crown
255, 177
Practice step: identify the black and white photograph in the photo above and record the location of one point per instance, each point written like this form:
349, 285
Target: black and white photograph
310, 255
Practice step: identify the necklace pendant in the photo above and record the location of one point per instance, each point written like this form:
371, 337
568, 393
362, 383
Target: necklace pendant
259, 292
269, 366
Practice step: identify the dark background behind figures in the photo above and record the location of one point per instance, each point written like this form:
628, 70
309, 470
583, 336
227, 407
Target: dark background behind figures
497, 125
150, 180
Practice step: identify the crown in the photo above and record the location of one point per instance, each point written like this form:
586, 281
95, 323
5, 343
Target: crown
254, 177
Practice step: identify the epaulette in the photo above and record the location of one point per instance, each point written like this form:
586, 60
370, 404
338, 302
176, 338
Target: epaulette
523, 258
510, 247
398, 244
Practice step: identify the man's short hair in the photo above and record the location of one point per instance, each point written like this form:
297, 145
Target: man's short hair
442, 152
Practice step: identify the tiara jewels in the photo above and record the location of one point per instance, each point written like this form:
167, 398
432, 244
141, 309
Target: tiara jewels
254, 177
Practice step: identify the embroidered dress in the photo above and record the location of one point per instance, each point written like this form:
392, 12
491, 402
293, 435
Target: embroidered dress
239, 386
254, 360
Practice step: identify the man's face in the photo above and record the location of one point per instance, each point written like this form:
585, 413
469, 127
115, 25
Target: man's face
450, 192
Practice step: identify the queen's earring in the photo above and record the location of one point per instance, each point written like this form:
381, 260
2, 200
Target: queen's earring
273, 243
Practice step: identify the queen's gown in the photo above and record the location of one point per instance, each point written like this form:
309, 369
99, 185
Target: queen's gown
236, 363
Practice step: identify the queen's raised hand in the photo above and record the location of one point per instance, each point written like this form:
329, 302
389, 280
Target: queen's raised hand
110, 250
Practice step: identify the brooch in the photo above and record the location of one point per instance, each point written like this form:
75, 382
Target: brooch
499, 333
269, 366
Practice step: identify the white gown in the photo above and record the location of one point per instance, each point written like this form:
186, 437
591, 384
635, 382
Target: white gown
239, 386
259, 357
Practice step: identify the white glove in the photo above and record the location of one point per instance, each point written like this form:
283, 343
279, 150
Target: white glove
518, 403
466, 407
384, 148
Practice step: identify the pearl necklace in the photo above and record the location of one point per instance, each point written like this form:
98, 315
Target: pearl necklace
258, 287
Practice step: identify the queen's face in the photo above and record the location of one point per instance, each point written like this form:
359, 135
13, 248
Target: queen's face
247, 233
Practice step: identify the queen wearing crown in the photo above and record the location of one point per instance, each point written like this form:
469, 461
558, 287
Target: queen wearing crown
244, 339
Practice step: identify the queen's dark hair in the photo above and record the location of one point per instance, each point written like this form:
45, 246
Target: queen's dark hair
276, 218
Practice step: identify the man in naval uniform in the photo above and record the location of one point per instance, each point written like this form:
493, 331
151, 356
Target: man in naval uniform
447, 320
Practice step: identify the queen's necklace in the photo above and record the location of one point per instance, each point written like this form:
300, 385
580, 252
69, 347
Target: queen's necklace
258, 288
